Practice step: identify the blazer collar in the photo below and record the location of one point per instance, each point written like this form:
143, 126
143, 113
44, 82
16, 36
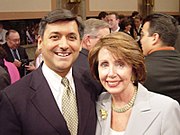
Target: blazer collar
45, 103
141, 112
104, 104
85, 100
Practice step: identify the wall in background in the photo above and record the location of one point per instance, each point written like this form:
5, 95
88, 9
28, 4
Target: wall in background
167, 6
93, 7
25, 9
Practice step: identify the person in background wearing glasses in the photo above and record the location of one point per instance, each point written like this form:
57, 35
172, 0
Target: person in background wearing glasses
15, 53
158, 37
94, 30
127, 107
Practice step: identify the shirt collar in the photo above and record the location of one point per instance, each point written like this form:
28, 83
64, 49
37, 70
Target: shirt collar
54, 78
162, 48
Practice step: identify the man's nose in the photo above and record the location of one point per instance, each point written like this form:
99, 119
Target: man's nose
63, 43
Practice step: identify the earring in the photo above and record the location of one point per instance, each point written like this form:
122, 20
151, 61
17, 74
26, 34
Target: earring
133, 79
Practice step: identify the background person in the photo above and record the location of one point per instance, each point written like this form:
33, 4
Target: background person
94, 30
113, 20
158, 37
103, 15
15, 53
128, 107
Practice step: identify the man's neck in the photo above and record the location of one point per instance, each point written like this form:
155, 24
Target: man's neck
115, 29
161, 48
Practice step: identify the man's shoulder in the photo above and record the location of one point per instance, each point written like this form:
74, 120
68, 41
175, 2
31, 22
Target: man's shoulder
2, 71
5, 46
24, 85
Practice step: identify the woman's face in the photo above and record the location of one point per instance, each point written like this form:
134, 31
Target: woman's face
115, 74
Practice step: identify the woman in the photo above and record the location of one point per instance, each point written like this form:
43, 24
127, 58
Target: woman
128, 108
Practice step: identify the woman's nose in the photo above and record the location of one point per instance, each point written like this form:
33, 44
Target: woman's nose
112, 71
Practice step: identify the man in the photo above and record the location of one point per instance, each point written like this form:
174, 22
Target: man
35, 104
102, 15
113, 20
158, 37
94, 30
15, 53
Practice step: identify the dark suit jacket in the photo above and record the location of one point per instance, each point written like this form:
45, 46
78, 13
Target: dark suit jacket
82, 60
177, 45
4, 78
81, 65
22, 53
28, 107
163, 73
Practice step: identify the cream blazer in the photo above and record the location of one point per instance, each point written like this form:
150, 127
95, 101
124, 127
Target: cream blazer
152, 114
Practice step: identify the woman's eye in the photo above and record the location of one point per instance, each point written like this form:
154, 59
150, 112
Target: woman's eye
120, 64
104, 64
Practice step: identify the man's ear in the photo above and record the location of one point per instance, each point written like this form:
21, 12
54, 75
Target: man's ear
86, 42
155, 38
40, 42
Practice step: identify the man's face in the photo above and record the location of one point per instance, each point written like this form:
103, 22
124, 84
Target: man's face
137, 22
94, 39
146, 40
113, 22
13, 40
60, 46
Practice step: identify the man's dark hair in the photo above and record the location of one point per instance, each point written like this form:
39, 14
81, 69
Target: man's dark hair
165, 25
114, 13
10, 31
60, 15
134, 13
102, 14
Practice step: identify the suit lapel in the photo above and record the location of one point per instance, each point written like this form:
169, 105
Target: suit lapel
84, 101
105, 106
9, 56
45, 103
141, 113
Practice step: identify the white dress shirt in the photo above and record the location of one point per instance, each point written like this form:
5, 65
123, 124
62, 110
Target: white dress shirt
113, 132
54, 81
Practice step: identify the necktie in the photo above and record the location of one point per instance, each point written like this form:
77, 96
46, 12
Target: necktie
15, 54
69, 107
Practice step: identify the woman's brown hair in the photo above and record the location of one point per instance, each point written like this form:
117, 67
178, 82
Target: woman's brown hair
121, 45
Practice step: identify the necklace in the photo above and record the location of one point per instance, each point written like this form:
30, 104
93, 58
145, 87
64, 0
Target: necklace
127, 106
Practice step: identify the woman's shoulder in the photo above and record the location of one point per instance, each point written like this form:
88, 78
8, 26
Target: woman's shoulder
156, 100
104, 96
